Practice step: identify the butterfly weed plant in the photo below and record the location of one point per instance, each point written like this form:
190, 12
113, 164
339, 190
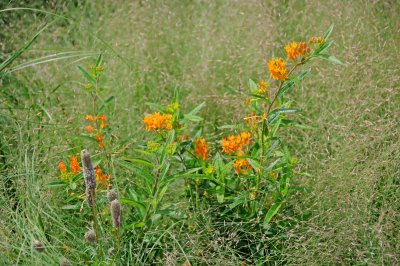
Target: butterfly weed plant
245, 175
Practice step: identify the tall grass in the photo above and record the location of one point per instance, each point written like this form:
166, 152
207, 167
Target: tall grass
349, 211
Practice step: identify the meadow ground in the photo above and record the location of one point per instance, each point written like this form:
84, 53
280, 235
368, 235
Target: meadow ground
208, 50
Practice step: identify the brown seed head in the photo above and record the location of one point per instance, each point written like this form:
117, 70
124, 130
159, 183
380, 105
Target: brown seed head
38, 246
90, 236
90, 178
111, 195
116, 213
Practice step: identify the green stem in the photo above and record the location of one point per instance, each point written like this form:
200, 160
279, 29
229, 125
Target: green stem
96, 226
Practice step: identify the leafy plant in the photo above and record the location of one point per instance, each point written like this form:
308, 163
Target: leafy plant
246, 176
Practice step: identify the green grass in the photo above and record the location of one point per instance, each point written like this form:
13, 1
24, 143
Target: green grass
209, 51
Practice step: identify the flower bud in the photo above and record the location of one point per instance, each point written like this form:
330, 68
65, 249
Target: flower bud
111, 195
90, 236
90, 178
38, 246
116, 213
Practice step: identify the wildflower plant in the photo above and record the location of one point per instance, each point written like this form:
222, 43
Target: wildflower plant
246, 174
253, 168
160, 162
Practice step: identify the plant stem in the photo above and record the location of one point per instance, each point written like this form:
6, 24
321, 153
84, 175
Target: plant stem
96, 226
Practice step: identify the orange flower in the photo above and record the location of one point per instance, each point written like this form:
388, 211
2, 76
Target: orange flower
100, 141
62, 167
89, 128
102, 118
277, 68
235, 143
295, 50
157, 121
90, 118
74, 166
241, 165
100, 176
201, 148
245, 138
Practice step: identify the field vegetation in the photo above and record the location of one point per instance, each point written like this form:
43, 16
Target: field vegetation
153, 90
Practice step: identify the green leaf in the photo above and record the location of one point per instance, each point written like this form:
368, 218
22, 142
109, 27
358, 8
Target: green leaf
99, 60
20, 51
188, 174
328, 32
271, 166
193, 118
236, 201
71, 207
323, 48
303, 74
231, 127
56, 184
271, 213
87, 138
87, 76
40, 222
148, 178
286, 87
173, 214
252, 85
140, 207
258, 96
330, 58
138, 160
105, 104
197, 109
284, 110
220, 190
255, 164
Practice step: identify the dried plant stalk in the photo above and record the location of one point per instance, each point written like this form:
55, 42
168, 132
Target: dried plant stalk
116, 213
90, 178
111, 195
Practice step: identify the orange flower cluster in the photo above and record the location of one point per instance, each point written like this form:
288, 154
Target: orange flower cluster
296, 49
241, 166
277, 68
101, 177
91, 118
201, 148
74, 166
100, 141
319, 40
235, 143
62, 167
102, 119
158, 121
